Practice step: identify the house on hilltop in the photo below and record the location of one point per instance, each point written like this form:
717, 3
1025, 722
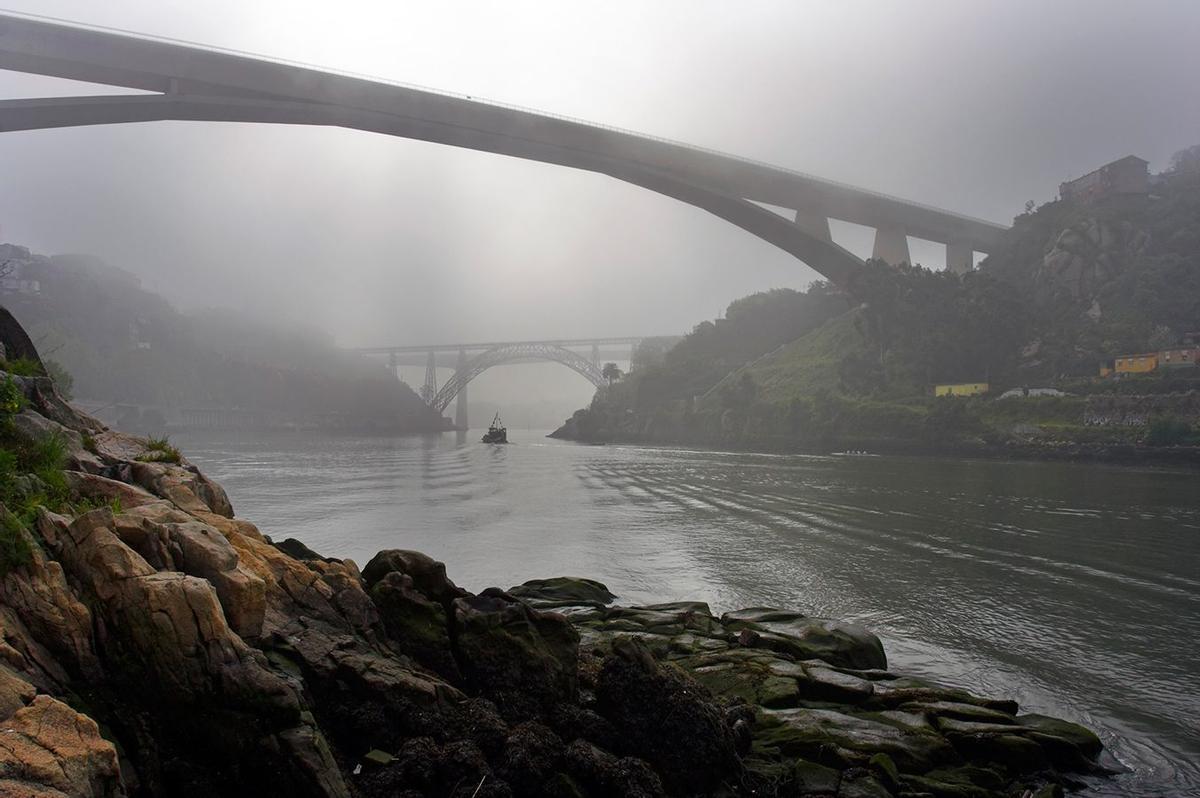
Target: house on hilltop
1128, 175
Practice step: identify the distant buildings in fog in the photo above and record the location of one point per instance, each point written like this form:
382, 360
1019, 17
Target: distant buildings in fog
1128, 175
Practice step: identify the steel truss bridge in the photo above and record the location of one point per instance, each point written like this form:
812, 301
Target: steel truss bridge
498, 353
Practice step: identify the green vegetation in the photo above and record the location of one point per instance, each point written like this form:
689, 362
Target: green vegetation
1070, 287
28, 367
15, 550
22, 367
1168, 431
31, 475
160, 450
12, 401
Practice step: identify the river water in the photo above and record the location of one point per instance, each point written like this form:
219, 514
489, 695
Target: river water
1073, 588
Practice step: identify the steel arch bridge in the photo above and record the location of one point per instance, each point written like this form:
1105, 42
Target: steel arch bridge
514, 353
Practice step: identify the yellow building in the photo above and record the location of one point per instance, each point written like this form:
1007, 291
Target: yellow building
961, 389
1106, 371
1136, 364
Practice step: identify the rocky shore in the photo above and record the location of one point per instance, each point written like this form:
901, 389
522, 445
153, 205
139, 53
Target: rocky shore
153, 644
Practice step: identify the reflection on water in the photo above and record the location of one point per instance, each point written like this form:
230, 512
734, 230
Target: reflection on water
1075, 589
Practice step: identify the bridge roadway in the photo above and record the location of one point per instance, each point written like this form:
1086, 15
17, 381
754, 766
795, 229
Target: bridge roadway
194, 82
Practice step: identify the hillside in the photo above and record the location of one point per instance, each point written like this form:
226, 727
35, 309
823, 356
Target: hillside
124, 344
1072, 286
811, 363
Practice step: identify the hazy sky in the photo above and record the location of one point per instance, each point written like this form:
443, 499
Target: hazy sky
971, 106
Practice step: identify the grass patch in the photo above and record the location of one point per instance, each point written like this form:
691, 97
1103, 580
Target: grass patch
160, 450
22, 367
15, 550
12, 401
31, 476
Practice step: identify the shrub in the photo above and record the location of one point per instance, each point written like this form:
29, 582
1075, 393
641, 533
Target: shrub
12, 400
22, 367
1169, 431
160, 450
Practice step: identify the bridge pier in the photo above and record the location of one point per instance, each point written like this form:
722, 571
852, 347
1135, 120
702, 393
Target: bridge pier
460, 402
891, 245
815, 224
430, 388
960, 257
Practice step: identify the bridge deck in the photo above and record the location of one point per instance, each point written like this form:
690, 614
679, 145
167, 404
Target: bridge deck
232, 82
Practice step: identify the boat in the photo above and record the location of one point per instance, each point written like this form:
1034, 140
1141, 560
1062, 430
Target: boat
497, 432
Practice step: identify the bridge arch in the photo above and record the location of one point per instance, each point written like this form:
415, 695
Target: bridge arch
514, 353
192, 82
830, 260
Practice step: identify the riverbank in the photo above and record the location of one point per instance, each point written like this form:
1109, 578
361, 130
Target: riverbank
1048, 450
154, 644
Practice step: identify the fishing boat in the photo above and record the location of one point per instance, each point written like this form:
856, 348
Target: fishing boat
497, 432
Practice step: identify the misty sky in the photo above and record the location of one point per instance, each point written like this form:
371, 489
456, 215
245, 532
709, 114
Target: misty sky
971, 106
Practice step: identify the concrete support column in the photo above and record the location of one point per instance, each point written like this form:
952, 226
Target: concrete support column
395, 369
596, 355
814, 224
891, 245
632, 355
460, 402
960, 257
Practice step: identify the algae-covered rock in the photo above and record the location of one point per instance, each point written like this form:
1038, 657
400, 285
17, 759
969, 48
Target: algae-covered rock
663, 716
835, 738
562, 591
523, 659
803, 637
416, 624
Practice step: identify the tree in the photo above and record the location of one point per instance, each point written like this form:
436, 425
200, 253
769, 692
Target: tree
62, 378
1187, 160
611, 373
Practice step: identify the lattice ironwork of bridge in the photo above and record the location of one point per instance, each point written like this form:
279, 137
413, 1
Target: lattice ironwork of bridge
488, 355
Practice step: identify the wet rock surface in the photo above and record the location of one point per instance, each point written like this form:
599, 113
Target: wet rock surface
156, 645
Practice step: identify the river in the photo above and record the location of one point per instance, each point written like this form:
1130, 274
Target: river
1073, 588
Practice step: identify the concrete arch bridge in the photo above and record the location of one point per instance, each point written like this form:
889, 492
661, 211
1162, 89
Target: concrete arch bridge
192, 82
484, 356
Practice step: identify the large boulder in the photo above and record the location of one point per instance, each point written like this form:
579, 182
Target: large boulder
171, 540
523, 659
185, 676
416, 624
49, 749
46, 632
427, 574
843, 740
804, 637
563, 591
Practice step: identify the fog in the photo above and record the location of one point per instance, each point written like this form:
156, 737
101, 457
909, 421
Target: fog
973, 107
